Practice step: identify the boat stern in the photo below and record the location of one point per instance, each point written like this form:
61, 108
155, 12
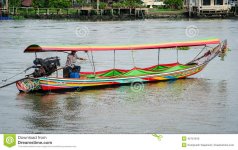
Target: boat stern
28, 85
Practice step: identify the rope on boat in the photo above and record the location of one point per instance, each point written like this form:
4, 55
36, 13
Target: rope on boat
205, 47
195, 58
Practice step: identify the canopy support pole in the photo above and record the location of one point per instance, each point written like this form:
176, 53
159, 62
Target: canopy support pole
35, 55
93, 64
133, 59
158, 56
90, 60
114, 62
177, 53
57, 74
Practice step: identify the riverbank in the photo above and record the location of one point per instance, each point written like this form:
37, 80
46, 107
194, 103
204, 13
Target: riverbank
102, 14
166, 13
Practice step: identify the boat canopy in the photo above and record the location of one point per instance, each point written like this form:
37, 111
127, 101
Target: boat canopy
37, 48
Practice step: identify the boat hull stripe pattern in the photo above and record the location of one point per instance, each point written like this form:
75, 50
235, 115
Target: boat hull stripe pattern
56, 84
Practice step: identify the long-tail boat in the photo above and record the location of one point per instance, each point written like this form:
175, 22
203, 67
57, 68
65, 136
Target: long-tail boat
114, 76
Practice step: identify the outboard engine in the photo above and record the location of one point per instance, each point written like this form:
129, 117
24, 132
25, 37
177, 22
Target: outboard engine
45, 67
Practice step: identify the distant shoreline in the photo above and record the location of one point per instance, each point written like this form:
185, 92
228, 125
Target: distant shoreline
105, 14
122, 17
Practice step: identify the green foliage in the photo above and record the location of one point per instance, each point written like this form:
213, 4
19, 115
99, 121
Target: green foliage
17, 17
52, 3
102, 5
39, 3
82, 3
127, 4
174, 4
14, 3
118, 5
183, 48
60, 3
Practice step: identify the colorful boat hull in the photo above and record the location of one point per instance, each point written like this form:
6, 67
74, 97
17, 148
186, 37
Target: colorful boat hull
51, 84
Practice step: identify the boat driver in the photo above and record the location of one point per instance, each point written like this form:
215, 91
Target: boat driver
72, 60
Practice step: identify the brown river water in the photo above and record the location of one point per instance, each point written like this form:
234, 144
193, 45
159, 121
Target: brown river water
204, 103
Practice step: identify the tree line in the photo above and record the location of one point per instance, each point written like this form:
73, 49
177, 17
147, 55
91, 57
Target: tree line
174, 4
